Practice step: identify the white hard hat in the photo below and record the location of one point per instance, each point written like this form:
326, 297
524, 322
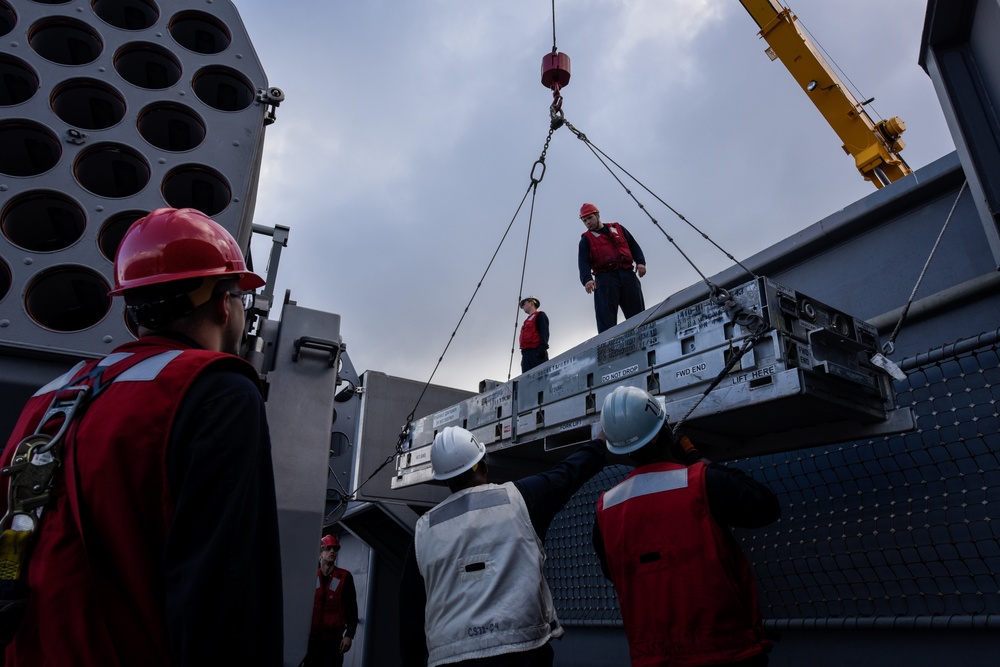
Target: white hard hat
454, 451
631, 418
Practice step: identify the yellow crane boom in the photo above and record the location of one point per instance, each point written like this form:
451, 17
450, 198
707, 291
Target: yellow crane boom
874, 146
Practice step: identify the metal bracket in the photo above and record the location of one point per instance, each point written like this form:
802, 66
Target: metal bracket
75, 136
272, 97
331, 346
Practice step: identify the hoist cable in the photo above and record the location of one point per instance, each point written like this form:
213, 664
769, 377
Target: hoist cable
738, 316
583, 137
678, 214
465, 311
524, 264
554, 49
747, 344
343, 496
536, 178
889, 346
737, 313
405, 430
854, 90
717, 293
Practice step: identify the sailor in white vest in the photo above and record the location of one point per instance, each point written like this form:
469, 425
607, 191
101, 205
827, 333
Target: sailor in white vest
473, 592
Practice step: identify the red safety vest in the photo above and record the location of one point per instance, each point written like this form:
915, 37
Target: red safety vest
608, 252
328, 606
530, 338
685, 589
96, 575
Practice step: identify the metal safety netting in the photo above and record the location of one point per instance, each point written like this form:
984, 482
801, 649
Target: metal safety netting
897, 530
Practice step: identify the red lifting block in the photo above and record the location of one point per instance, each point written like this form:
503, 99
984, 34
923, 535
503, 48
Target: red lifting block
555, 70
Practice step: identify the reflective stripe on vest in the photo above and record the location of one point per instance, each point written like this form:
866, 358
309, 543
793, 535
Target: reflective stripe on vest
144, 371
685, 589
60, 381
148, 369
328, 619
646, 484
116, 479
468, 503
334, 582
482, 561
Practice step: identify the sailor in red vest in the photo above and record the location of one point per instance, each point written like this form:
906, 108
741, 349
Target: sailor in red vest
335, 610
685, 589
609, 260
534, 338
157, 543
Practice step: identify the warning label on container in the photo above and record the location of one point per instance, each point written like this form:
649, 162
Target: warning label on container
617, 375
445, 416
754, 375
627, 343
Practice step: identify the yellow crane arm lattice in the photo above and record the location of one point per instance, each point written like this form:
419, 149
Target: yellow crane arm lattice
874, 146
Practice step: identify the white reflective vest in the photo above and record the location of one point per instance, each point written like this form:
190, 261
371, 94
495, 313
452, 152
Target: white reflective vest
482, 562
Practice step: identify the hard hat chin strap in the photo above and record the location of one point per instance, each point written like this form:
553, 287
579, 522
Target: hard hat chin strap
156, 314
203, 294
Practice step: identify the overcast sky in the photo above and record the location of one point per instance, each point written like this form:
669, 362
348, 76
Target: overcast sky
409, 131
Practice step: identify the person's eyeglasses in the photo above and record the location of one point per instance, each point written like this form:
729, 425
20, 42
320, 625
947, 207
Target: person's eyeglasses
245, 296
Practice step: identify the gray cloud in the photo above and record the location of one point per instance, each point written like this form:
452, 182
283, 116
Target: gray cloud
410, 128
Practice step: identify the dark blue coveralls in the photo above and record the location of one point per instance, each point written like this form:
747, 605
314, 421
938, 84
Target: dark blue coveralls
615, 288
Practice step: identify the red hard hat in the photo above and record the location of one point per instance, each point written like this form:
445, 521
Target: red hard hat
587, 209
330, 541
173, 244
